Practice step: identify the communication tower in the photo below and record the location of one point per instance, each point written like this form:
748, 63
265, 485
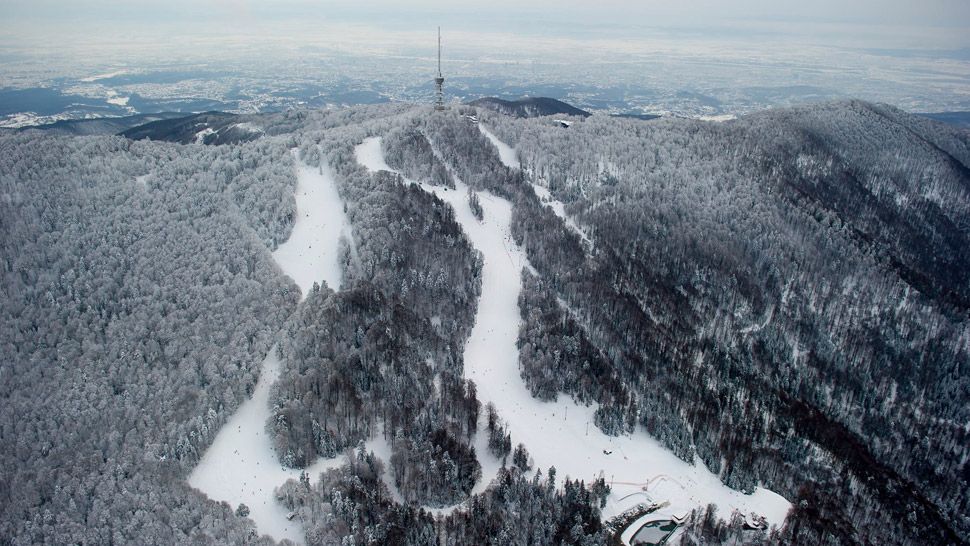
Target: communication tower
439, 82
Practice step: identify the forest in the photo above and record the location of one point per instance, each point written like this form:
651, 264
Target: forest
794, 281
785, 297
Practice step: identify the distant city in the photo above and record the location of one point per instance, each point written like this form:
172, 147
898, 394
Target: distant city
717, 77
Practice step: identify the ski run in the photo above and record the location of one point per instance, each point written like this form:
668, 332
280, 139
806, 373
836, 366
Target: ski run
242, 467
562, 434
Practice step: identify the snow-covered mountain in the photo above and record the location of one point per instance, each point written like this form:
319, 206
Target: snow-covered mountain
207, 128
528, 107
386, 324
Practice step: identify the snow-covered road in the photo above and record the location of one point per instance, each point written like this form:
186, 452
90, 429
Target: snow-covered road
562, 433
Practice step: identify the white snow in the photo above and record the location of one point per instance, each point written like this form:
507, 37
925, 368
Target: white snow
118, 101
560, 210
248, 127
505, 152
382, 450
311, 254
24, 119
489, 463
200, 136
720, 118
627, 535
509, 158
142, 180
764, 324
241, 466
562, 433
370, 155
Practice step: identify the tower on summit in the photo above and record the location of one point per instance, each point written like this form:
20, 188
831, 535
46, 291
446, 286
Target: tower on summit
439, 82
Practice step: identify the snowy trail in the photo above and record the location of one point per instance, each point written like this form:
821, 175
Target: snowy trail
241, 466
510, 159
559, 208
562, 433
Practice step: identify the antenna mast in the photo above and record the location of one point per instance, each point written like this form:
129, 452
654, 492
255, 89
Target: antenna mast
439, 98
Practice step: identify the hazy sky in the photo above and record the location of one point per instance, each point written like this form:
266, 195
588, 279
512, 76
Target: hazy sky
910, 52
924, 24
893, 12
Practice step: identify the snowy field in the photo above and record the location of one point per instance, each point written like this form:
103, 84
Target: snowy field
240, 466
562, 433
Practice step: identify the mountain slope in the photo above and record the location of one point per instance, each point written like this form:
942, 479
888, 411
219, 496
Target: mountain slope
528, 107
780, 299
100, 126
207, 128
800, 270
898, 191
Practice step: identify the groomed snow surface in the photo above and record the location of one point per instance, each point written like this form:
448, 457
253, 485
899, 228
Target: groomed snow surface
311, 254
505, 152
241, 466
562, 433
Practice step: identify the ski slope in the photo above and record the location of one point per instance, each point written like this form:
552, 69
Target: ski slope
559, 208
311, 254
509, 158
241, 466
562, 433
506, 154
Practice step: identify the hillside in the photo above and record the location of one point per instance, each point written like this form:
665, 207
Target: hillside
206, 128
100, 126
489, 332
528, 107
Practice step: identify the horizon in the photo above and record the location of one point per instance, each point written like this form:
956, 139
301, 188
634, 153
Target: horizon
657, 57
